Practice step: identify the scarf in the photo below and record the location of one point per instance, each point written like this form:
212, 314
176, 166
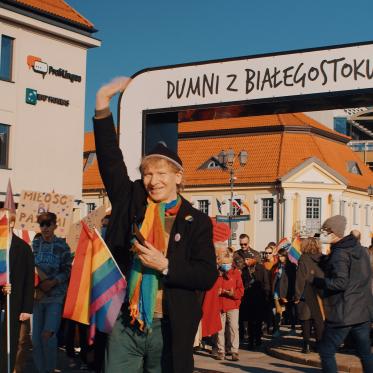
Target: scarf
143, 282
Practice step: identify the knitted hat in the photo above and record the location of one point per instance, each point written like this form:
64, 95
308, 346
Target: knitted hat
162, 151
336, 224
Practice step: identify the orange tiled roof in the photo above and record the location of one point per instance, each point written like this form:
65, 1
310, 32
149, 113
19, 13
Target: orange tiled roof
271, 155
274, 120
89, 142
57, 8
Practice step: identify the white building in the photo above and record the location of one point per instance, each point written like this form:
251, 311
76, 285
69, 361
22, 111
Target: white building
42, 88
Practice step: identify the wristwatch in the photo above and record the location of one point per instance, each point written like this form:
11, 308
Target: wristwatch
165, 271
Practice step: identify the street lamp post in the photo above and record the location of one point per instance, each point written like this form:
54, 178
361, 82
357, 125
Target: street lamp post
227, 159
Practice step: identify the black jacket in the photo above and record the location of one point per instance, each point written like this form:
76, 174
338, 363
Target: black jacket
192, 261
257, 290
347, 284
305, 292
21, 264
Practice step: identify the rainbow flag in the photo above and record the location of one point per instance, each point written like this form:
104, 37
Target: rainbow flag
97, 287
4, 247
283, 244
294, 251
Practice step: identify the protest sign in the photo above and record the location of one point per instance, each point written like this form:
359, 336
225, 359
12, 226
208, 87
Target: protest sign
32, 203
93, 220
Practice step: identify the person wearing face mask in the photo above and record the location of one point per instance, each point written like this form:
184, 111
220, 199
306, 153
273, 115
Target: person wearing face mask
347, 295
230, 291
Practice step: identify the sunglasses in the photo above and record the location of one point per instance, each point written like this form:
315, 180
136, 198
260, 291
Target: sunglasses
268, 253
45, 223
244, 244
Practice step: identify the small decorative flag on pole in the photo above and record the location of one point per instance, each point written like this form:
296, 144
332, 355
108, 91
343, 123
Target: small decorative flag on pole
9, 201
218, 205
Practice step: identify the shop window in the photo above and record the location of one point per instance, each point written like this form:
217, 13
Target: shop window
267, 208
4, 145
6, 57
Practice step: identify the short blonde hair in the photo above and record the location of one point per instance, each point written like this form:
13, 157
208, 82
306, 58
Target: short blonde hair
150, 161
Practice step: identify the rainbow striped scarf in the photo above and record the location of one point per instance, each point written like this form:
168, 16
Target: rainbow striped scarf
143, 282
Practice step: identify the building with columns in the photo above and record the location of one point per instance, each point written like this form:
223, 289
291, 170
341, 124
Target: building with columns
299, 172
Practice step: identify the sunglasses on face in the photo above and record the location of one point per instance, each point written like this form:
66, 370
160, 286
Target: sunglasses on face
244, 244
45, 223
268, 253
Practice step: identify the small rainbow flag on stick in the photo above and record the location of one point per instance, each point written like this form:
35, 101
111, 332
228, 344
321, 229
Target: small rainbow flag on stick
4, 247
97, 287
294, 252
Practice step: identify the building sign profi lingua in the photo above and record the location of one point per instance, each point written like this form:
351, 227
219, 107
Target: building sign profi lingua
43, 68
32, 97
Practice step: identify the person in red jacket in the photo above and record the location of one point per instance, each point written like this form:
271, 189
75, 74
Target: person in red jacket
230, 290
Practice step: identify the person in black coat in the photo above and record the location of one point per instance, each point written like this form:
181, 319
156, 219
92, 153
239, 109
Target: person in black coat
283, 289
307, 299
185, 269
254, 302
347, 295
21, 266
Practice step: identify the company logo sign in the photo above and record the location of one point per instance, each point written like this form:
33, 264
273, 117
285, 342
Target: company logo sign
43, 68
32, 97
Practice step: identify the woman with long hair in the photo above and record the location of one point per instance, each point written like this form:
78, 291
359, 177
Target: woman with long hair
309, 304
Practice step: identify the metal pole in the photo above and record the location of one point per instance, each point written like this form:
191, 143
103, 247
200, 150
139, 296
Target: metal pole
231, 171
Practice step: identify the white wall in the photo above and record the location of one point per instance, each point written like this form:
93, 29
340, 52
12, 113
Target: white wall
46, 145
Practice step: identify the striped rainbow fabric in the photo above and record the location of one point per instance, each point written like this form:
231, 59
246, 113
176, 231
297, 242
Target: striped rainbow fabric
4, 243
97, 287
294, 252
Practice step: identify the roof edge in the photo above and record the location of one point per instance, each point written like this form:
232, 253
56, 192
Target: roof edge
320, 163
40, 15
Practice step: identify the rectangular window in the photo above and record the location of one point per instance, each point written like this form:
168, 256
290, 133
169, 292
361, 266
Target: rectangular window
313, 215
6, 57
203, 205
267, 208
90, 207
313, 208
4, 145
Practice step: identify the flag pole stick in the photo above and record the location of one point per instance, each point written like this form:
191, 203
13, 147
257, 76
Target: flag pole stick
8, 298
112, 257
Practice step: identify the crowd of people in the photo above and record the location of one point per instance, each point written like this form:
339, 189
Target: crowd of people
176, 277
328, 292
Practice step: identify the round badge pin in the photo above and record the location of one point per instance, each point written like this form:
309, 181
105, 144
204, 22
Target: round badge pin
177, 237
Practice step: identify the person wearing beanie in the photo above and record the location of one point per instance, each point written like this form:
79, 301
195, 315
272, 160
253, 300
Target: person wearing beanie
162, 244
348, 301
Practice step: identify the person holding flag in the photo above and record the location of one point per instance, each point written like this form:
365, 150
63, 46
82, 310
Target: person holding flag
53, 264
20, 287
164, 247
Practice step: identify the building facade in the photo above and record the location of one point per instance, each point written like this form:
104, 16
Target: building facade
42, 88
299, 172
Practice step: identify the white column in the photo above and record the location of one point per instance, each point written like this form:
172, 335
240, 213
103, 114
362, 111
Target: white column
336, 202
288, 215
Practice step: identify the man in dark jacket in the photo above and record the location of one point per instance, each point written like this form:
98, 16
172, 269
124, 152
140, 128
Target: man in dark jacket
169, 264
21, 289
239, 255
347, 295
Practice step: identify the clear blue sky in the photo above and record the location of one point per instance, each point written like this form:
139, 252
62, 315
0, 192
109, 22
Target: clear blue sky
145, 33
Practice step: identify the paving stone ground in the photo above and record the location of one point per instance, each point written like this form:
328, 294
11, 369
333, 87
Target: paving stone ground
276, 355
